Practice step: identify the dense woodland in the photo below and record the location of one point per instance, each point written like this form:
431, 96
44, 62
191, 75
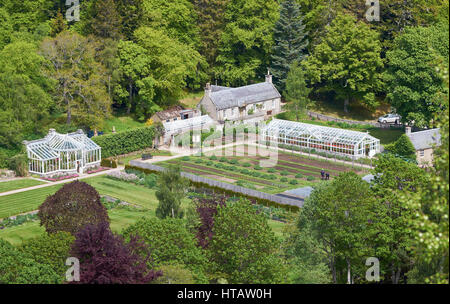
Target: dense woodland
140, 56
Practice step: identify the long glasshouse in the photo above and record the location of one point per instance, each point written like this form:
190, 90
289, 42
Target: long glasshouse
62, 153
331, 140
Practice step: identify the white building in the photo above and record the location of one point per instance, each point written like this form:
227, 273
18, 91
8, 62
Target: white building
62, 153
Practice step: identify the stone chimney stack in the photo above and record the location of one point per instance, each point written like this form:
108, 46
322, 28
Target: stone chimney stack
408, 130
268, 77
208, 89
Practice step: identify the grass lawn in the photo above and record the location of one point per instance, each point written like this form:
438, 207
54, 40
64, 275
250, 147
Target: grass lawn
124, 160
191, 99
386, 136
19, 184
121, 123
30, 200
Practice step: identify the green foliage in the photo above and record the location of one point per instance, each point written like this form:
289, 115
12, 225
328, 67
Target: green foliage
108, 162
347, 61
51, 250
17, 268
172, 188
290, 42
125, 142
169, 242
175, 274
296, 90
412, 78
244, 253
403, 147
246, 40
19, 164
310, 178
284, 179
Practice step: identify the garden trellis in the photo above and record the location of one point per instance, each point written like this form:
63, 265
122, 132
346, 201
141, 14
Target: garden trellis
331, 140
62, 153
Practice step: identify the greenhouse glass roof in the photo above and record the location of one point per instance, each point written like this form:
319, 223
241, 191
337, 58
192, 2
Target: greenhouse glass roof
293, 129
188, 124
50, 146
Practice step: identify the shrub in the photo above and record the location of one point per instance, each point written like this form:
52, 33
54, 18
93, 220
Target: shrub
126, 141
299, 175
284, 179
109, 162
271, 170
233, 161
310, 178
223, 159
284, 173
174, 274
213, 157
246, 165
198, 161
272, 177
293, 182
73, 206
185, 158
257, 167
106, 259
19, 164
209, 163
169, 242
245, 171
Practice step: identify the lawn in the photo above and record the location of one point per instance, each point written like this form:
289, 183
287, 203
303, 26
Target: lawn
121, 123
19, 184
191, 99
21, 202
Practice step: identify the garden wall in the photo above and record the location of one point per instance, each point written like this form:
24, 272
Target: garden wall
218, 184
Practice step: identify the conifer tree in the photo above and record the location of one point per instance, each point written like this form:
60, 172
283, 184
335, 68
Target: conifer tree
290, 41
106, 23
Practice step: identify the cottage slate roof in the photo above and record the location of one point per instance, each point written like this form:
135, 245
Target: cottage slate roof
425, 139
224, 98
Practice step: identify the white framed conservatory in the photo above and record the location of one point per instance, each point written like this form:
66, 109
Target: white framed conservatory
62, 153
324, 139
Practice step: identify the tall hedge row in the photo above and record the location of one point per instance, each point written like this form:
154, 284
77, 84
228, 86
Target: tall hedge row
125, 142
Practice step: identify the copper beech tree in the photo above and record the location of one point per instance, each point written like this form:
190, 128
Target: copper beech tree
73, 206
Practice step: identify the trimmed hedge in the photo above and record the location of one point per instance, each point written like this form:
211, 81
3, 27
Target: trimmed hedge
109, 162
125, 142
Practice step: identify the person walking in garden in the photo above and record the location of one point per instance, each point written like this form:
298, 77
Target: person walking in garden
322, 174
327, 176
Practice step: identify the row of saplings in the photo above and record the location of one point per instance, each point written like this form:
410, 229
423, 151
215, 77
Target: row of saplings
207, 246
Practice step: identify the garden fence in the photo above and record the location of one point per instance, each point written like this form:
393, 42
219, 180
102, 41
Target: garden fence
238, 189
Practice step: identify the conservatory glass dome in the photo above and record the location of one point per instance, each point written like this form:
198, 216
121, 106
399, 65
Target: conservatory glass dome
55, 153
333, 140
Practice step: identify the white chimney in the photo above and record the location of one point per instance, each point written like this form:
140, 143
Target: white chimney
408, 130
208, 89
268, 77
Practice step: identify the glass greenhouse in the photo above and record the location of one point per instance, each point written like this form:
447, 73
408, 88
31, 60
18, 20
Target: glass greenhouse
331, 140
62, 153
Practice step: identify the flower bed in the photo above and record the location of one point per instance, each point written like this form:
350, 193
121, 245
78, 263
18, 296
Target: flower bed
60, 178
97, 170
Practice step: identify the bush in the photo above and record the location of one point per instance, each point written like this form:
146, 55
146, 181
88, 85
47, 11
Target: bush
299, 175
73, 206
109, 162
257, 167
169, 242
233, 161
125, 142
19, 164
271, 170
223, 159
209, 163
213, 157
198, 161
185, 158
284, 179
272, 177
310, 178
293, 182
284, 173
247, 165
174, 274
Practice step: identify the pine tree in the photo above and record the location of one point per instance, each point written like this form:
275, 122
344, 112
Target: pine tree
106, 23
290, 41
58, 24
